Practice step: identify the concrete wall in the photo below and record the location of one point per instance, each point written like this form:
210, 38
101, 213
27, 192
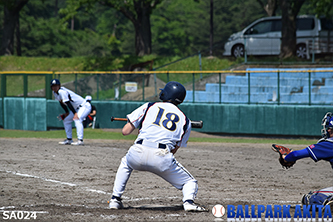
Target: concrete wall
24, 114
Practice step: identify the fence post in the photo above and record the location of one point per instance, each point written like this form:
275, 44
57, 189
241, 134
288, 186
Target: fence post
3, 85
3, 94
120, 75
75, 82
48, 92
155, 83
278, 87
97, 82
310, 88
248, 88
143, 87
25, 85
193, 83
220, 89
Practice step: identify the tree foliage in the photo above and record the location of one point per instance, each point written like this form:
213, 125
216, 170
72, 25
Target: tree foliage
137, 11
67, 28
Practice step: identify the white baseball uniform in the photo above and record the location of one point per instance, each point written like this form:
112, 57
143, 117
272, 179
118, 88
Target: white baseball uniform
163, 125
81, 106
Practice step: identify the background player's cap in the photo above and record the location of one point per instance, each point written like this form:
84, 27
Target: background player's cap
55, 82
88, 98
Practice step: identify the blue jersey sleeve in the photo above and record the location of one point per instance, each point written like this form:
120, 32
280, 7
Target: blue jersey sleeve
321, 151
297, 154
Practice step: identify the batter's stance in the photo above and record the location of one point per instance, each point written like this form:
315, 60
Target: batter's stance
78, 111
164, 128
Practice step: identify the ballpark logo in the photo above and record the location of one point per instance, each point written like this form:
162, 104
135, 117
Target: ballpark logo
274, 212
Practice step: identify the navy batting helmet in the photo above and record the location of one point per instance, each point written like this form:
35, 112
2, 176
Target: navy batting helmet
174, 92
327, 123
54, 82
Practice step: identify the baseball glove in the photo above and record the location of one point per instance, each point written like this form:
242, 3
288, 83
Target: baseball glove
61, 117
283, 151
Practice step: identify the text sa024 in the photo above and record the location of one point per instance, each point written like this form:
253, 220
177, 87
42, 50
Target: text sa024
19, 215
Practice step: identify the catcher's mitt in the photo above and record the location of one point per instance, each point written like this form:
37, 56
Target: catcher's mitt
283, 151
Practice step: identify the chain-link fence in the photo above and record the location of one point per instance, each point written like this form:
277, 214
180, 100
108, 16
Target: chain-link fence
251, 86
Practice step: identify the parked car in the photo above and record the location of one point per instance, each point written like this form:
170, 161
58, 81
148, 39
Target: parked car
263, 37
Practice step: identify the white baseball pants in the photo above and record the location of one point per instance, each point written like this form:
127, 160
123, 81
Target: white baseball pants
158, 161
82, 113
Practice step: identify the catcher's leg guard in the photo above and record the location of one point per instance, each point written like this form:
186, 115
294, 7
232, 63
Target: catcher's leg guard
319, 197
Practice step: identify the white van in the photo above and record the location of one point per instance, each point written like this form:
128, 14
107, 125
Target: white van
263, 37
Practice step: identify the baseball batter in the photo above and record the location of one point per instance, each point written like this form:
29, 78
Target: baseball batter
76, 109
322, 150
163, 129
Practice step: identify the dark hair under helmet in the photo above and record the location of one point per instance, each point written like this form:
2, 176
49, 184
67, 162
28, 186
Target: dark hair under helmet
174, 92
54, 82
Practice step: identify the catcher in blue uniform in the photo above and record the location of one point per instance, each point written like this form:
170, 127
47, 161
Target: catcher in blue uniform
322, 150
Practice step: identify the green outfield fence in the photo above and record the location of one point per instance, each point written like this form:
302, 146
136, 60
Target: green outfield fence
26, 99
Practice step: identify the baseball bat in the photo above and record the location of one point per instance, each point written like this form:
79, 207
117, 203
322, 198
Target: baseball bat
194, 123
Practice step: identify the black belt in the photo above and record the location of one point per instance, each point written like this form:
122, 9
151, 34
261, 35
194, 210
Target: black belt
160, 145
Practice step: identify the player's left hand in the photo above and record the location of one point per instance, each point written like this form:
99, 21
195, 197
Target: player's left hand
75, 117
283, 151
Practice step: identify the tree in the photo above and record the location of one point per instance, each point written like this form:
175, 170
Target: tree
11, 23
289, 9
171, 21
211, 30
137, 11
322, 7
270, 7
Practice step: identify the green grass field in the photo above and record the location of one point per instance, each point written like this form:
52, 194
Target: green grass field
107, 135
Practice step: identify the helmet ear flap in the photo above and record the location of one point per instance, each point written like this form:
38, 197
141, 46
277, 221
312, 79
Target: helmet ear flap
162, 95
174, 92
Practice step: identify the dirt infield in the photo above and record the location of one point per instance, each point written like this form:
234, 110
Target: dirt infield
68, 183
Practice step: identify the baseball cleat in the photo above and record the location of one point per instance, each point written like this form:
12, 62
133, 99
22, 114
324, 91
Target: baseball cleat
66, 142
115, 204
78, 143
306, 199
192, 207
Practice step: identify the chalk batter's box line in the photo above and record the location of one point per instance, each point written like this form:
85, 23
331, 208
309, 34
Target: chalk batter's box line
85, 188
124, 197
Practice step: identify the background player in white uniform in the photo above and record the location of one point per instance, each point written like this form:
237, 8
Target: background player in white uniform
91, 118
164, 128
76, 109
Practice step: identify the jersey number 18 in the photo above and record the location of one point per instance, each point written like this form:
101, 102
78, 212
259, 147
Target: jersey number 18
169, 120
